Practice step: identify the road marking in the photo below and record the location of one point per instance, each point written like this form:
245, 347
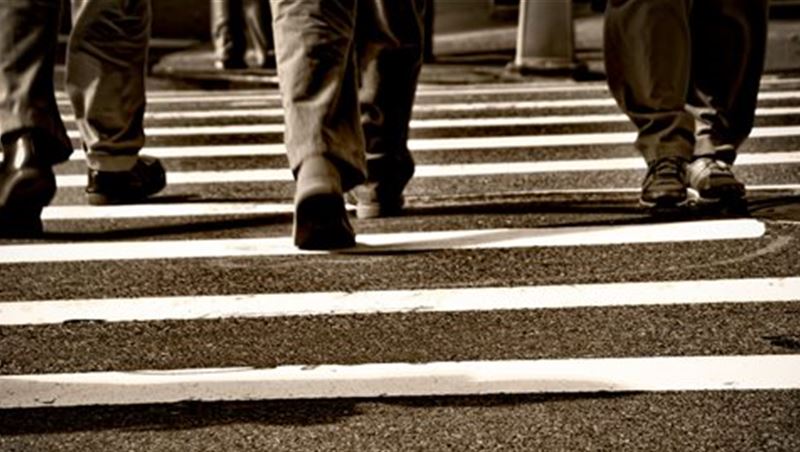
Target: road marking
447, 170
163, 210
588, 375
277, 113
417, 124
84, 212
511, 89
767, 81
472, 299
394, 242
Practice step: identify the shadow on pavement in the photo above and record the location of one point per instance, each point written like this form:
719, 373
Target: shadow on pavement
298, 413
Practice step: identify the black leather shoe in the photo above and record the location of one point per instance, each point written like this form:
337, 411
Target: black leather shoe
146, 178
320, 217
27, 184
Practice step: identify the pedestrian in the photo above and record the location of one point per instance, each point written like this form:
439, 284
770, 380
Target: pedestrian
348, 72
232, 21
687, 74
105, 75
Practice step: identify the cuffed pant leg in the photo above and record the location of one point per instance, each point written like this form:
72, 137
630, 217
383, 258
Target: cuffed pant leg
318, 76
647, 56
391, 61
227, 30
28, 40
106, 68
729, 44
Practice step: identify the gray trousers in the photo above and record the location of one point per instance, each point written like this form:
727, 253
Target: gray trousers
686, 72
348, 71
229, 21
106, 68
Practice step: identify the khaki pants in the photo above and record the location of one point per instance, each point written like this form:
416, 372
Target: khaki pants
106, 68
348, 71
686, 72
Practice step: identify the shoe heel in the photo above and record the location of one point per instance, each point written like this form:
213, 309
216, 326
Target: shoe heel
321, 223
20, 222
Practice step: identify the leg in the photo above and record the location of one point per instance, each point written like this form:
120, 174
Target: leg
647, 57
31, 131
729, 46
259, 28
324, 142
227, 34
391, 61
106, 68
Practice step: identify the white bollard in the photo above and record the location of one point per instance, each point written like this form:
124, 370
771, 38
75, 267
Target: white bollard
545, 37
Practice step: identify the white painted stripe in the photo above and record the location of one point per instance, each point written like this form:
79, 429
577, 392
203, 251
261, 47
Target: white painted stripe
446, 170
84, 212
201, 177
395, 242
204, 130
225, 150
416, 124
528, 141
652, 374
162, 210
767, 81
268, 96
473, 299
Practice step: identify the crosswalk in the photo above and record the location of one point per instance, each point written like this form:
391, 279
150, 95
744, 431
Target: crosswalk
523, 266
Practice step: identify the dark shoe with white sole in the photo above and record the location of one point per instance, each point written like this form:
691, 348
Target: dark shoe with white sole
146, 178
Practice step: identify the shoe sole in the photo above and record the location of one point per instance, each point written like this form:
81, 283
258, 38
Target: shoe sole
734, 204
366, 211
321, 223
102, 199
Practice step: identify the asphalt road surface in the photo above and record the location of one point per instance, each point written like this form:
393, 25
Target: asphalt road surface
524, 301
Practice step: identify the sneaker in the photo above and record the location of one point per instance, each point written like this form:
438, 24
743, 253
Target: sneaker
713, 181
26, 185
382, 194
146, 178
665, 183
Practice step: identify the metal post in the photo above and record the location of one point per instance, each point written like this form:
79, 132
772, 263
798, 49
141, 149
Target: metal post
545, 37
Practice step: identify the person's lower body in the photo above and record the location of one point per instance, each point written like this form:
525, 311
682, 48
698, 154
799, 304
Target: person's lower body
105, 80
662, 56
648, 63
390, 70
314, 45
728, 48
232, 22
319, 52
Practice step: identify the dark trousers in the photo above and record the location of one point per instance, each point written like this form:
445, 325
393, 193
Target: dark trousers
686, 72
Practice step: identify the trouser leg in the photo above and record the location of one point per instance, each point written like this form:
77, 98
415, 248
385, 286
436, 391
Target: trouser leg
106, 69
28, 39
227, 30
259, 28
391, 61
729, 43
647, 55
316, 66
